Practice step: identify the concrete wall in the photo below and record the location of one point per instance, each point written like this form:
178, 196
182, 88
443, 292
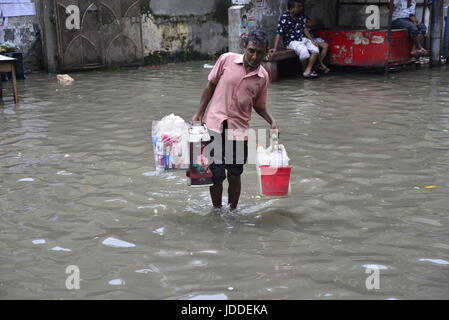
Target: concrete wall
24, 32
264, 14
193, 26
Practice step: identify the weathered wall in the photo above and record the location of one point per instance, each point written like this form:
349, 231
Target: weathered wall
194, 27
264, 14
24, 33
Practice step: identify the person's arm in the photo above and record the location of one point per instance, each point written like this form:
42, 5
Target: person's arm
208, 92
260, 106
413, 19
277, 41
267, 116
279, 34
309, 36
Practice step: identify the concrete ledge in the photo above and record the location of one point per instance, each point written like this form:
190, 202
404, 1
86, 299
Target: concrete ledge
271, 62
281, 55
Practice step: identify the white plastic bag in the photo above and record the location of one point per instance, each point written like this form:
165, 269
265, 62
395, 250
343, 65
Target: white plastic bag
170, 143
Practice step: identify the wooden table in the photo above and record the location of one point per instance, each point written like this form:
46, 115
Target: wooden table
7, 64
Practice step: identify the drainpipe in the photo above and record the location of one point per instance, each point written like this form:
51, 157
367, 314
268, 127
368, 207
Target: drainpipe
390, 19
435, 32
446, 35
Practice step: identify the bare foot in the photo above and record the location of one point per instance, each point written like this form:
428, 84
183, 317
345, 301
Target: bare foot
415, 53
423, 52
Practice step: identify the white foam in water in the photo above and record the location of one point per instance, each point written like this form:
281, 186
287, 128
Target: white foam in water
59, 249
64, 173
150, 174
159, 231
437, 261
375, 266
39, 241
27, 179
144, 271
116, 282
219, 296
113, 242
115, 200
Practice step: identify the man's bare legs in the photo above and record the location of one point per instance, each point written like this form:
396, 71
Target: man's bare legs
307, 64
419, 40
235, 187
234, 190
216, 192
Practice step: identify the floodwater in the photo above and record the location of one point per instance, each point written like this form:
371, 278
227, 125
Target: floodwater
369, 192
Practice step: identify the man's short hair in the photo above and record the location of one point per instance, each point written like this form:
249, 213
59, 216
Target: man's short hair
257, 36
291, 3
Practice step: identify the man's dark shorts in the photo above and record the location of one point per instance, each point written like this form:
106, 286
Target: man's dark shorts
234, 164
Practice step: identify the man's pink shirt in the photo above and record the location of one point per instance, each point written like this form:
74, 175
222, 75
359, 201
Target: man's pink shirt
235, 95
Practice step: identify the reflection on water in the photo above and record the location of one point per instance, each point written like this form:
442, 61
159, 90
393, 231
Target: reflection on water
369, 190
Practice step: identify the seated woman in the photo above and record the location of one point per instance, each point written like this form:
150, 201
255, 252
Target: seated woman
404, 18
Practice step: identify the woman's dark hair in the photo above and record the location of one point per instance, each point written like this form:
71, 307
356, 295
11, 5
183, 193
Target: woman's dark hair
257, 36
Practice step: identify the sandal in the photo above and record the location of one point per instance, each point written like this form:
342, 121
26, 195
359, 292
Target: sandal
325, 70
312, 75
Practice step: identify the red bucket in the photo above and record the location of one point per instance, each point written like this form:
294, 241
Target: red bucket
275, 181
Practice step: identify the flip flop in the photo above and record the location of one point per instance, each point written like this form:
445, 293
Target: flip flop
325, 70
310, 76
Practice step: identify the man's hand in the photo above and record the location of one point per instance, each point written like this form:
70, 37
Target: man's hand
273, 50
274, 126
197, 118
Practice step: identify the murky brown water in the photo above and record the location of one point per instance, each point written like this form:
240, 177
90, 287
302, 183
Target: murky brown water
77, 174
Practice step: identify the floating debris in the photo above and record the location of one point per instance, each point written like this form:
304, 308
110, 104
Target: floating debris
116, 282
113, 242
437, 261
60, 249
65, 79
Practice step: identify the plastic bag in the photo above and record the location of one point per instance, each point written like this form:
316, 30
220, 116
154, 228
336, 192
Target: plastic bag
170, 143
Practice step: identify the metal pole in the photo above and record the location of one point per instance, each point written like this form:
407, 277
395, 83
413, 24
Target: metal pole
390, 21
435, 31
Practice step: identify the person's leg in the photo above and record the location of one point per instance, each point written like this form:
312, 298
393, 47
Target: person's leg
216, 193
422, 30
234, 190
312, 60
235, 171
313, 52
218, 166
324, 49
412, 31
301, 50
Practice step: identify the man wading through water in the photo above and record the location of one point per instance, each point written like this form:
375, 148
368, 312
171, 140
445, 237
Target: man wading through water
237, 84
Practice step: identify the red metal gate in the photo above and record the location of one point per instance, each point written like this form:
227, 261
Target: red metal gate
110, 34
